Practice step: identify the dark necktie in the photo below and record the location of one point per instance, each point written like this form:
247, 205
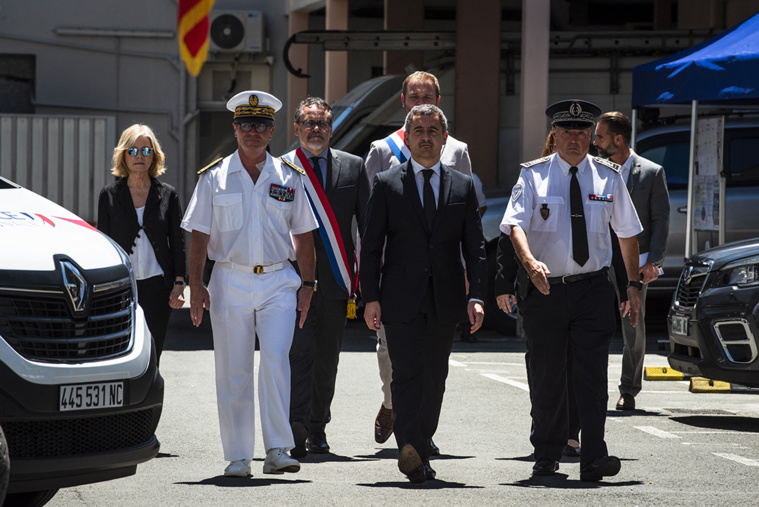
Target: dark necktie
317, 170
429, 198
579, 231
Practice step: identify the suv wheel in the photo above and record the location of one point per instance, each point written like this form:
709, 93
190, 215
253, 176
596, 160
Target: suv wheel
5, 466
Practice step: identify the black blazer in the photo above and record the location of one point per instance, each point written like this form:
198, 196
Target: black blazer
413, 254
163, 214
347, 191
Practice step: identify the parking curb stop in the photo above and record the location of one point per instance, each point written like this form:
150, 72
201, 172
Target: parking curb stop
706, 385
663, 373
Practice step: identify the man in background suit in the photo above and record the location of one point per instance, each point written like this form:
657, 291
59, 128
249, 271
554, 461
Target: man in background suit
418, 88
423, 215
647, 185
337, 186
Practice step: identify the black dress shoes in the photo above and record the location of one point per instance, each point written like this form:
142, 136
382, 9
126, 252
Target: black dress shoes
300, 435
571, 451
545, 467
626, 402
410, 464
317, 443
605, 466
429, 472
431, 449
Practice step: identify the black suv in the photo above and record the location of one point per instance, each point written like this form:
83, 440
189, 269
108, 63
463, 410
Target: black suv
713, 322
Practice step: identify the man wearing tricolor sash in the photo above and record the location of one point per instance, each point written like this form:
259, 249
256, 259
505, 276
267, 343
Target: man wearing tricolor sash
338, 190
418, 88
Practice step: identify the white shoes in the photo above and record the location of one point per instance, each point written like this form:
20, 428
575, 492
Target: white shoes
238, 468
278, 462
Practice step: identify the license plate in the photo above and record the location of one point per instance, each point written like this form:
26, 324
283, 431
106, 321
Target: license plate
90, 396
680, 325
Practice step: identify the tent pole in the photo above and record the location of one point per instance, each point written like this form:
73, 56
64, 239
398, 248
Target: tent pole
689, 233
634, 129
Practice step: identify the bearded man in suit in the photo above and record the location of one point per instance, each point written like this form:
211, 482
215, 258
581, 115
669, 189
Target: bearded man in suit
338, 190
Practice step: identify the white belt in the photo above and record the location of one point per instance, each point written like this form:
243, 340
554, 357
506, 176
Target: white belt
256, 270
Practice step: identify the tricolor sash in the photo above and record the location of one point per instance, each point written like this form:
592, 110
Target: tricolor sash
397, 144
328, 227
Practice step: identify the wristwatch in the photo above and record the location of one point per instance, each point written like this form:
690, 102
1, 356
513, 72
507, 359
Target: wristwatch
180, 282
306, 283
637, 285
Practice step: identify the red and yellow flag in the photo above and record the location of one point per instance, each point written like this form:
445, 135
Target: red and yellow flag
192, 27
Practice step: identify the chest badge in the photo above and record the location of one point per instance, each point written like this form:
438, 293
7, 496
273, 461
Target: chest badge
544, 211
282, 193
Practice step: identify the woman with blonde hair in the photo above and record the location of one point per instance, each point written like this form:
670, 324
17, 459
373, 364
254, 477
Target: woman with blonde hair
142, 214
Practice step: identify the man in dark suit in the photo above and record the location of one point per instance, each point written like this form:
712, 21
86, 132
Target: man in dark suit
338, 189
425, 216
647, 185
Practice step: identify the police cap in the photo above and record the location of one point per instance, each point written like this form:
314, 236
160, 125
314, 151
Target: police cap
573, 114
254, 105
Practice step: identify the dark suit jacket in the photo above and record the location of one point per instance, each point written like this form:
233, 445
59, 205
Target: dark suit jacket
413, 254
118, 219
347, 191
648, 189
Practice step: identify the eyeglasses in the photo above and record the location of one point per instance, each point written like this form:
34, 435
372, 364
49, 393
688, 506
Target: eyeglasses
308, 124
146, 152
260, 127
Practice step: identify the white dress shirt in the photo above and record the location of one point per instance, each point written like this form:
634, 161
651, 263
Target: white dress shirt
545, 186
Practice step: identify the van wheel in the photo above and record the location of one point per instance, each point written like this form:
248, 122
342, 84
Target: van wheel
5, 466
29, 498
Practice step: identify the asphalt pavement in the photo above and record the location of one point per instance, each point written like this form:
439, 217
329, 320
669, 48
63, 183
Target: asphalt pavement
677, 448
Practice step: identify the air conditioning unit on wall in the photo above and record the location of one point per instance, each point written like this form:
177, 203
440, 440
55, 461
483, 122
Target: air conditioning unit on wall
236, 31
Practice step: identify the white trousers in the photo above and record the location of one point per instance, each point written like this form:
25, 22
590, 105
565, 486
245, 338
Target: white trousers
243, 305
385, 367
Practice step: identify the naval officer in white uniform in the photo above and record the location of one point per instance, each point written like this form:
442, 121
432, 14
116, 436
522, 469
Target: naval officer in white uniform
249, 213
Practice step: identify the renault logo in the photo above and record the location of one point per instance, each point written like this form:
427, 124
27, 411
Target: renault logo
76, 286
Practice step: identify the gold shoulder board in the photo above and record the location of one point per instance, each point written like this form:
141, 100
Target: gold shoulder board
295, 167
536, 162
210, 166
608, 163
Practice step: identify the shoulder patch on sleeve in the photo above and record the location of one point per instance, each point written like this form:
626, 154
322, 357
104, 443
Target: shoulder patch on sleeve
292, 166
516, 192
536, 162
210, 166
608, 163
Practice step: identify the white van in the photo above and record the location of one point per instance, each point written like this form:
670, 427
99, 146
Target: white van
80, 393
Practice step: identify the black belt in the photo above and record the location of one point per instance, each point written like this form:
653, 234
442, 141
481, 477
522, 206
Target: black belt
576, 278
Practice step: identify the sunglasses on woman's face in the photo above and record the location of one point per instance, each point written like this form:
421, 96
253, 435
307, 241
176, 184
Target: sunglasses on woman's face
146, 152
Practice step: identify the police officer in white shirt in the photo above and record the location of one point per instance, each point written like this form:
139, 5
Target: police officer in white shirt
249, 213
558, 218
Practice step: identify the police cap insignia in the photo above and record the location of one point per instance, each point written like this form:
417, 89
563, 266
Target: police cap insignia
573, 113
253, 100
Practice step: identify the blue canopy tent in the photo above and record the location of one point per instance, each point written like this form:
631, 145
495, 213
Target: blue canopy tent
722, 71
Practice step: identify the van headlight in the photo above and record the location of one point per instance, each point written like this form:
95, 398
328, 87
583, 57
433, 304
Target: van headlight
126, 261
742, 273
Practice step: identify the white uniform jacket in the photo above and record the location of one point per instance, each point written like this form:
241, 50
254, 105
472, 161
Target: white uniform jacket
250, 224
